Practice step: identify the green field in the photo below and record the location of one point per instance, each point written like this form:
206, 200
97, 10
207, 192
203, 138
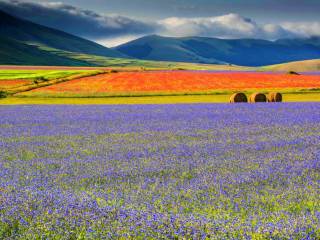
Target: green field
38, 74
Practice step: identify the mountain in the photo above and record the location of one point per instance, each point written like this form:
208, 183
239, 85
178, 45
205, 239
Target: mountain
24, 42
244, 52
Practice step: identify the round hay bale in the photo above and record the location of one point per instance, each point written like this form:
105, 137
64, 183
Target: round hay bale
258, 97
274, 97
238, 98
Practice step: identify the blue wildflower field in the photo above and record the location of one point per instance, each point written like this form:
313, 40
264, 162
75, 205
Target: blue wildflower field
202, 171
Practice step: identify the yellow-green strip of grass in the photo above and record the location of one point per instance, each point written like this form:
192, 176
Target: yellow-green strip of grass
42, 93
305, 97
38, 74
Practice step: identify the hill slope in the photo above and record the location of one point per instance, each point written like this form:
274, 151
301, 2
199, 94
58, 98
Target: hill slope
25, 31
300, 66
24, 42
13, 52
244, 52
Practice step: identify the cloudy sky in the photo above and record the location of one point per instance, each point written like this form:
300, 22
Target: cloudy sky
112, 22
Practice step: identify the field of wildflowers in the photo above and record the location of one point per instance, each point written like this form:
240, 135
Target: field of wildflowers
170, 82
200, 171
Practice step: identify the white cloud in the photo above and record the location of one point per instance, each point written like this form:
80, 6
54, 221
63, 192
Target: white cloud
226, 26
305, 29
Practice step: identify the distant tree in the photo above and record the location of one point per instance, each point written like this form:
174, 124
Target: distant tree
293, 73
3, 94
42, 79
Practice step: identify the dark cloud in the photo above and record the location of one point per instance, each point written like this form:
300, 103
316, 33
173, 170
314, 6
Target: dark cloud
77, 21
112, 30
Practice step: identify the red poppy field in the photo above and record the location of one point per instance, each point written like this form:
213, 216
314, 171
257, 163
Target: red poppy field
176, 82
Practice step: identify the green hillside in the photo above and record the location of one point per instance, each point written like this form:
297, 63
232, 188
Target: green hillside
28, 32
13, 52
24, 43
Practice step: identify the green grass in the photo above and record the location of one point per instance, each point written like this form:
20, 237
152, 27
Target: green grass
219, 98
61, 94
38, 74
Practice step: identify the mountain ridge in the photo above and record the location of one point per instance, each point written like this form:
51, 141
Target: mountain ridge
244, 52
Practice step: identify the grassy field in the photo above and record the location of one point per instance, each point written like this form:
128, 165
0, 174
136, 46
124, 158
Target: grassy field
219, 98
38, 74
80, 86
299, 66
